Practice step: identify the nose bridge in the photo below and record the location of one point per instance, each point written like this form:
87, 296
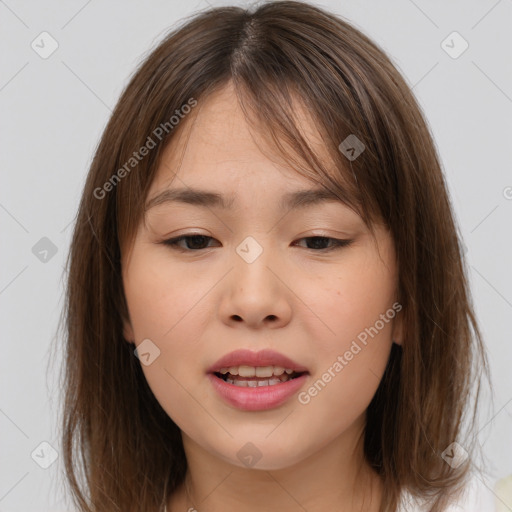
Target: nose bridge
251, 264
250, 250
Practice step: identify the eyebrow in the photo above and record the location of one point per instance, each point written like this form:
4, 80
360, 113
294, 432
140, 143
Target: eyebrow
206, 198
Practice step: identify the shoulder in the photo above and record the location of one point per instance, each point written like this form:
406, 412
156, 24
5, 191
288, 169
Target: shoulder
477, 496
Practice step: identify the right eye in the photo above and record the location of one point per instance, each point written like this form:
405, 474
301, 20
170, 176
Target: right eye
193, 242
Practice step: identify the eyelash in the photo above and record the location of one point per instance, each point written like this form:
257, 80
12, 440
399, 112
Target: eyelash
173, 243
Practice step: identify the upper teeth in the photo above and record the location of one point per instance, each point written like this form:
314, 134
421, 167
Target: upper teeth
256, 371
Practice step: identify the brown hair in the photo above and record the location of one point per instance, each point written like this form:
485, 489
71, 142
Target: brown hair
121, 450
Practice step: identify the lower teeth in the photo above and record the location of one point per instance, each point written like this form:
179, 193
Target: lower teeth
254, 383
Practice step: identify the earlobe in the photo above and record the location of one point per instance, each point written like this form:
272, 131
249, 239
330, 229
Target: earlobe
128, 332
397, 332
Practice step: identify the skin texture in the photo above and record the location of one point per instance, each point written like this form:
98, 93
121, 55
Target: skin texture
307, 303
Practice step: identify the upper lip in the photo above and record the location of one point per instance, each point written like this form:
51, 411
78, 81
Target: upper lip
262, 358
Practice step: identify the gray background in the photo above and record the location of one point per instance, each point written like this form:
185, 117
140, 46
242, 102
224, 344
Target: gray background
53, 111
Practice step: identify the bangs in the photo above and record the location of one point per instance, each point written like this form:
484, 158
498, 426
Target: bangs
279, 112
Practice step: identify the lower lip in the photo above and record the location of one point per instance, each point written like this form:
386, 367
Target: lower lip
260, 398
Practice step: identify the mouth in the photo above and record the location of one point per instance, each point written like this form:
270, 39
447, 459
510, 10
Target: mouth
256, 381
257, 376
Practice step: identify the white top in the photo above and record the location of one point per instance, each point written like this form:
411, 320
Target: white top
477, 497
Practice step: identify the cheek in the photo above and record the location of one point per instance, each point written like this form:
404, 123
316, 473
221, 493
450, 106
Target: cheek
164, 304
160, 296
351, 303
354, 339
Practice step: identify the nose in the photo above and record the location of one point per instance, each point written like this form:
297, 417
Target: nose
256, 293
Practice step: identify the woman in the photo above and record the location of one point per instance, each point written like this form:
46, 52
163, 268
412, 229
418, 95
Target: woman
318, 346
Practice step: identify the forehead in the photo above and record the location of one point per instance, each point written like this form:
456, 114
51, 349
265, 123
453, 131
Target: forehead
218, 144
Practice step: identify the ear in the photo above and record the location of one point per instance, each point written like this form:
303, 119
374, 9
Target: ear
128, 331
398, 328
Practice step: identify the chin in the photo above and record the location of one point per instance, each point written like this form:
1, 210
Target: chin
265, 455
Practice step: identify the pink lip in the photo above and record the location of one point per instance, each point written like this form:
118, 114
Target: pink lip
259, 398
262, 397
249, 358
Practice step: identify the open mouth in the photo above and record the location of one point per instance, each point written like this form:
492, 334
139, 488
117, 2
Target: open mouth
252, 377
258, 384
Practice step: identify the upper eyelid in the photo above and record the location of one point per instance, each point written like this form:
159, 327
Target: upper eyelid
192, 235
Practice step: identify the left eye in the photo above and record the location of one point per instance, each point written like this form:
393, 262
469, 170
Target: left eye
320, 241
198, 242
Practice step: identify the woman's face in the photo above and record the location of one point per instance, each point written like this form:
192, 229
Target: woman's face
254, 278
